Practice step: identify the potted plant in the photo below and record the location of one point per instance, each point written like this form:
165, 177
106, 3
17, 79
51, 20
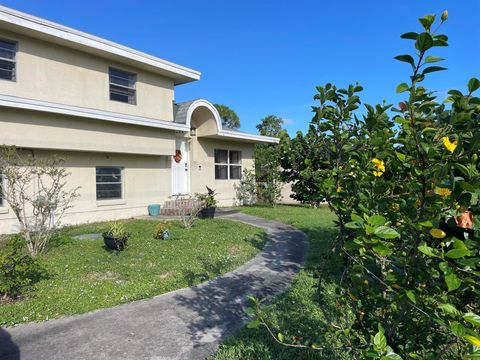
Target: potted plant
116, 236
209, 202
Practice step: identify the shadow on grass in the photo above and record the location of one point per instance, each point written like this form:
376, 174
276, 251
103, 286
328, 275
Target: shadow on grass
303, 313
218, 306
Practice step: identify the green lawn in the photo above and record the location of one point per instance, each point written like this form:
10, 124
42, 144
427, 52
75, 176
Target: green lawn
83, 276
297, 312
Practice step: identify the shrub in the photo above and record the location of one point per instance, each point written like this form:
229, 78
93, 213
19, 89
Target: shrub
395, 185
207, 199
246, 191
269, 192
163, 230
18, 270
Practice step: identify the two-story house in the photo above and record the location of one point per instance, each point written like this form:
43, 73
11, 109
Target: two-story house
111, 112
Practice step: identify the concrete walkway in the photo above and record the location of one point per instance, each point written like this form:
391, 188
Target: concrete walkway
184, 324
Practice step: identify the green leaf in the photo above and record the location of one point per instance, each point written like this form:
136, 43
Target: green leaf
427, 250
473, 85
377, 220
449, 309
472, 318
391, 356
382, 249
427, 21
432, 59
406, 58
400, 156
254, 324
353, 225
457, 253
386, 232
380, 341
431, 69
357, 218
409, 35
424, 42
426, 223
455, 93
402, 87
411, 295
280, 337
458, 329
452, 281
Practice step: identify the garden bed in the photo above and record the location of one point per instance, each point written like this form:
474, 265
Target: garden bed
84, 276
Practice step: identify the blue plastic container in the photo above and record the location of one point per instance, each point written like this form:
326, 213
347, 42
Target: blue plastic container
154, 209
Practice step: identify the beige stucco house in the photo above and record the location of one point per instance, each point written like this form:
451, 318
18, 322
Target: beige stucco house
111, 111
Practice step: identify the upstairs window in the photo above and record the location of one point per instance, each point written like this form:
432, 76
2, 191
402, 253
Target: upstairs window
228, 164
122, 86
8, 54
109, 183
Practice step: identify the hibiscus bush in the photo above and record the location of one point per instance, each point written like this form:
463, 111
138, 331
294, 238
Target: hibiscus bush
404, 183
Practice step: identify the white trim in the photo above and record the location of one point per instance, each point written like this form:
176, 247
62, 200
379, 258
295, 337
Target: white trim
55, 108
115, 201
227, 164
66, 34
244, 136
230, 134
29, 104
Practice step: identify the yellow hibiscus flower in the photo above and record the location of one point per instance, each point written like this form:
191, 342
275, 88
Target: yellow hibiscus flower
437, 233
450, 146
379, 166
443, 191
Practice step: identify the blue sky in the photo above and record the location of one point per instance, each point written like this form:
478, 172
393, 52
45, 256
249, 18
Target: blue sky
266, 57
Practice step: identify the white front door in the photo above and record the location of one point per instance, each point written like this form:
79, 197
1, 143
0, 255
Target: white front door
180, 168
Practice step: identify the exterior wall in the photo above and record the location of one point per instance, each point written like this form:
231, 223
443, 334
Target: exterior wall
202, 168
286, 192
49, 72
146, 180
40, 130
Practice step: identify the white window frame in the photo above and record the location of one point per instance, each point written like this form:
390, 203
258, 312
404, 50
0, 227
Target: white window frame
132, 88
111, 201
13, 61
227, 164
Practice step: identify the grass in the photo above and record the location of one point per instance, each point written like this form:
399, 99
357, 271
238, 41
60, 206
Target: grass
301, 311
84, 276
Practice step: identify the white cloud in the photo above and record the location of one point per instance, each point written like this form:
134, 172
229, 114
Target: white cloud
288, 121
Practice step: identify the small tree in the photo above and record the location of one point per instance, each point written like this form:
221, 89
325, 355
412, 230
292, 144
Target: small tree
35, 189
247, 189
229, 117
267, 161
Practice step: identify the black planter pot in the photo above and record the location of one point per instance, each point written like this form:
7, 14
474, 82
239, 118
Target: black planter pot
114, 243
208, 213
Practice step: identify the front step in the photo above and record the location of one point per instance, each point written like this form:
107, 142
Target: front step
179, 206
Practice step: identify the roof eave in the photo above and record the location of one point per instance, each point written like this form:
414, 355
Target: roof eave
38, 27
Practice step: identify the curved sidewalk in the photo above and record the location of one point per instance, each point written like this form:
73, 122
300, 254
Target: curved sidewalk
184, 324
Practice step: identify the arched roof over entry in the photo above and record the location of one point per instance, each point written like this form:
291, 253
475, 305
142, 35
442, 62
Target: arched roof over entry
202, 116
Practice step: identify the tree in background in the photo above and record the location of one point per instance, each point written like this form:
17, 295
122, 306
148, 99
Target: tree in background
229, 117
267, 161
270, 126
